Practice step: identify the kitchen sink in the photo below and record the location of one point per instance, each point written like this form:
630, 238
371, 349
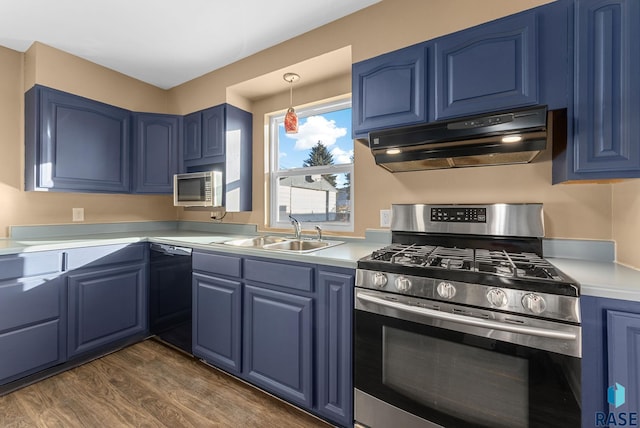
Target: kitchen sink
301, 246
279, 243
257, 242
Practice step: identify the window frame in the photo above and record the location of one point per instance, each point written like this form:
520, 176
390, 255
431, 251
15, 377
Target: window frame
275, 173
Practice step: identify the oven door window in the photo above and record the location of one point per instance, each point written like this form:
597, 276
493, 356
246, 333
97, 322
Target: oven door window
457, 379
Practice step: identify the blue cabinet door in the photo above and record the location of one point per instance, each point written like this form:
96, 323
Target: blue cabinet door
610, 347
192, 136
213, 131
603, 132
334, 371
105, 305
32, 333
623, 362
75, 144
278, 343
217, 321
204, 136
155, 152
486, 68
390, 90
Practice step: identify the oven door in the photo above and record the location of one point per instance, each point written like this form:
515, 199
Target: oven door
460, 367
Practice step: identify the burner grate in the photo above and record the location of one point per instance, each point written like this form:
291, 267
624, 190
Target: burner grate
497, 262
521, 265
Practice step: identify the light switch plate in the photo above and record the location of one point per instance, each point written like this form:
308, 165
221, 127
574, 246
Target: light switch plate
77, 214
385, 218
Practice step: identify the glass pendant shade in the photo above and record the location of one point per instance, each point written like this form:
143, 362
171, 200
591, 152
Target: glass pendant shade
291, 121
291, 118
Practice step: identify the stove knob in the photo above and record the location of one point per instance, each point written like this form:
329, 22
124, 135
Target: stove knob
497, 298
446, 290
402, 283
534, 303
379, 279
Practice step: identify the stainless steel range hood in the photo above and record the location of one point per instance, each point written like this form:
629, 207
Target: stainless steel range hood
506, 137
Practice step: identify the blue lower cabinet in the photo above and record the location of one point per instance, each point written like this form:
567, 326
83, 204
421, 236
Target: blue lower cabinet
334, 352
278, 343
285, 327
610, 370
106, 305
32, 335
217, 327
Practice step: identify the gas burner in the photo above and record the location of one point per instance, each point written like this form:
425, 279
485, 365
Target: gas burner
452, 258
518, 265
401, 254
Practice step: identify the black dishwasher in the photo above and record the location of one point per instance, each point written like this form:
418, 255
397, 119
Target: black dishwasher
170, 295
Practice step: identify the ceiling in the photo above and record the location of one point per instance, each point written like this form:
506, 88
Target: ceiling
163, 42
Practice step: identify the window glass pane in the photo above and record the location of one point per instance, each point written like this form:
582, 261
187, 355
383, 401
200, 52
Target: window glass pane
322, 139
314, 198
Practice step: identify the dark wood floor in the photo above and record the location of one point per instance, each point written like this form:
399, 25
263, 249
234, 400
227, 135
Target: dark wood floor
146, 385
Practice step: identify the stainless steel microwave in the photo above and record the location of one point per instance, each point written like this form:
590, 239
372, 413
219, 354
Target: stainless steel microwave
198, 189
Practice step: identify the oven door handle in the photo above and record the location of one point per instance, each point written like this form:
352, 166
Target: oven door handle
461, 319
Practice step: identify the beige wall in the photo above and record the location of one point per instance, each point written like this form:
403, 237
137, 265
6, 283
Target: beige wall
626, 222
587, 211
51, 67
384, 27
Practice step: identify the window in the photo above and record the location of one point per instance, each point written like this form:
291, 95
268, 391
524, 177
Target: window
311, 171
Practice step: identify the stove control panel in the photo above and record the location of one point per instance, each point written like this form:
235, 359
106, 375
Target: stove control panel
512, 300
459, 214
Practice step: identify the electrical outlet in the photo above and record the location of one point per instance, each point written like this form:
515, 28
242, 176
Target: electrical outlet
385, 218
77, 214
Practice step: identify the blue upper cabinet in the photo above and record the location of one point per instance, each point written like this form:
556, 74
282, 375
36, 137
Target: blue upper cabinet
486, 68
390, 90
515, 61
156, 147
75, 144
204, 136
220, 139
603, 132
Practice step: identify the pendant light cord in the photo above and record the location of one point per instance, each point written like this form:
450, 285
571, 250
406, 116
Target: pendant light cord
291, 94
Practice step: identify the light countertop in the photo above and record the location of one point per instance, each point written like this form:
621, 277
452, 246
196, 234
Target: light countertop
602, 279
596, 278
343, 255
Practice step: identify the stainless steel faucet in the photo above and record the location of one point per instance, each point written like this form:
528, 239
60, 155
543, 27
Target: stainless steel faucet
319, 230
296, 227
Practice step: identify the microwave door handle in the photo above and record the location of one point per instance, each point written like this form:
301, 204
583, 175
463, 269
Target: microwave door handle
461, 319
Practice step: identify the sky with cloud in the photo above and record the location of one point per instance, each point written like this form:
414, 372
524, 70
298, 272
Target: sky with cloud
333, 129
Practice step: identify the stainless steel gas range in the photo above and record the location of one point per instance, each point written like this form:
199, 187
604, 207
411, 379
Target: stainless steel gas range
461, 322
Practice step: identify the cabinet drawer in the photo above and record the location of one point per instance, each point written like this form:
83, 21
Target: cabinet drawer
299, 277
30, 264
217, 263
29, 301
78, 258
28, 350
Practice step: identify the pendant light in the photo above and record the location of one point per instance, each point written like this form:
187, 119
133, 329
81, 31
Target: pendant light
291, 119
